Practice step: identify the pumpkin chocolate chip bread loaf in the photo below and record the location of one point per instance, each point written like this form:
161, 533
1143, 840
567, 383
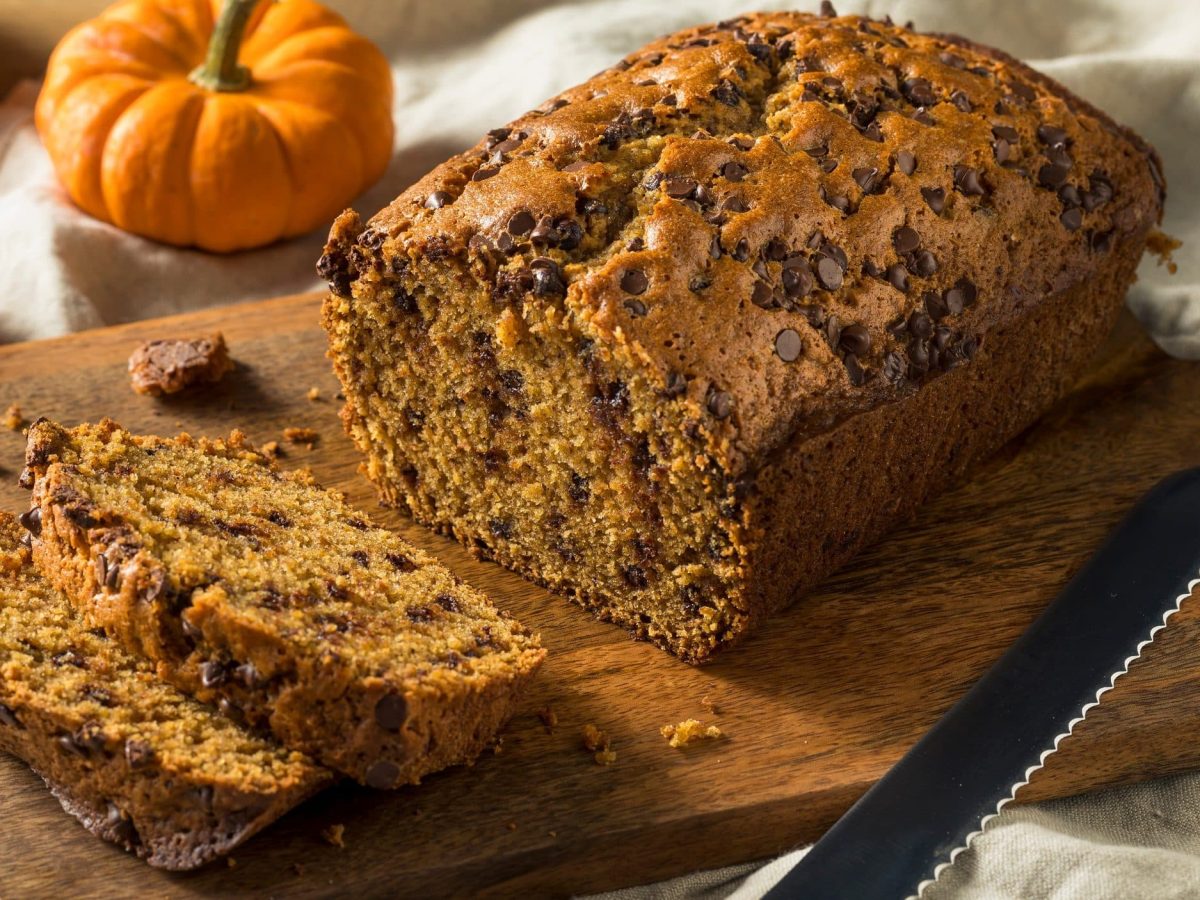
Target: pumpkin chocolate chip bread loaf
257, 590
682, 340
136, 761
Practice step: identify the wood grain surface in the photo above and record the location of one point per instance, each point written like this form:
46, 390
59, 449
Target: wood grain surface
815, 707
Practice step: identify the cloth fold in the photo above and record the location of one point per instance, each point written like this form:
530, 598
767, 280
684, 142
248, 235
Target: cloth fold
464, 66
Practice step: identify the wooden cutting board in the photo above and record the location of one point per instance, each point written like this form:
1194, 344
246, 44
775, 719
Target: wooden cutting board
814, 708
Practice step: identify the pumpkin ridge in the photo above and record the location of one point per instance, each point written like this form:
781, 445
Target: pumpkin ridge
165, 65
183, 42
286, 154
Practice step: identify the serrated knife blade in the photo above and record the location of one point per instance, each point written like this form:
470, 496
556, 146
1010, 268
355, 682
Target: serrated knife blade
911, 824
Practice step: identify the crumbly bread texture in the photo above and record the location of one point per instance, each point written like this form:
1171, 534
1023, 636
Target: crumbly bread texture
168, 366
259, 591
682, 340
136, 761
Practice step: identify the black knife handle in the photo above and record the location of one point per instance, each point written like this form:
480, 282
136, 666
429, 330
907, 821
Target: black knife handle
973, 760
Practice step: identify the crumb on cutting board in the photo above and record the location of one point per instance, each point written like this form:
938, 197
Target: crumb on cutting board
314, 394
549, 718
14, 419
710, 705
306, 436
165, 367
335, 835
687, 731
598, 743
271, 450
231, 862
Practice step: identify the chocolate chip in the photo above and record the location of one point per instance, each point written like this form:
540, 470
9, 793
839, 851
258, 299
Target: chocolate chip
1022, 90
1052, 175
634, 281
1001, 150
855, 339
484, 173
1005, 133
719, 403
906, 162
829, 273
521, 223
762, 296
548, 278
897, 276
676, 384
1071, 219
949, 59
741, 250
68, 744
967, 181
31, 521
854, 370
400, 562
382, 774
636, 308
438, 199
212, 673
1101, 241
827, 10
734, 171
680, 187
894, 367
734, 204
925, 263
1070, 196
390, 712
873, 133
828, 165
247, 673
448, 603
139, 754
867, 177
742, 143
1052, 135
935, 197
714, 247
1100, 188
839, 202
727, 92
961, 100
788, 345
935, 305
954, 301
922, 115
918, 91
920, 326
796, 281
8, 717
905, 239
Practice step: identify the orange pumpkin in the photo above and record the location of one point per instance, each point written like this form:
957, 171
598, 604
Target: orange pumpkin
216, 126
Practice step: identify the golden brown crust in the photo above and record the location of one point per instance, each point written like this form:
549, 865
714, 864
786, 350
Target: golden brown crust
135, 761
743, 244
256, 590
612, 142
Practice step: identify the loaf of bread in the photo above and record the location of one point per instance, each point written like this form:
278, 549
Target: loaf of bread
258, 591
681, 341
136, 761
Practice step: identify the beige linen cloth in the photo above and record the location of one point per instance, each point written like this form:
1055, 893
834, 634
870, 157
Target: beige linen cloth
464, 66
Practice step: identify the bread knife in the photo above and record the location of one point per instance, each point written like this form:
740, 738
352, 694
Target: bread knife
901, 834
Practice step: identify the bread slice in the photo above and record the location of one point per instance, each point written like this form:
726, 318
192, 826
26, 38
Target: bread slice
136, 761
682, 340
258, 590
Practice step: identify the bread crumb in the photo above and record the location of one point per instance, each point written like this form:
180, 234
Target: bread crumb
709, 705
593, 737
552, 834
512, 826
549, 718
599, 744
231, 862
687, 731
271, 450
335, 836
314, 394
1163, 245
306, 436
498, 746
13, 419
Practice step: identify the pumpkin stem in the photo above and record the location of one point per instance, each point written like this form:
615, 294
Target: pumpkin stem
220, 70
